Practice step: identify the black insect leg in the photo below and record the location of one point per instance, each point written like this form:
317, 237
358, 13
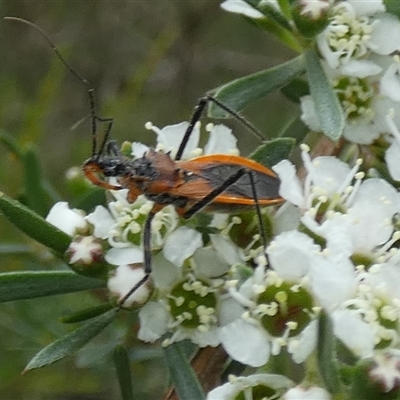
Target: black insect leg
225, 185
147, 258
198, 113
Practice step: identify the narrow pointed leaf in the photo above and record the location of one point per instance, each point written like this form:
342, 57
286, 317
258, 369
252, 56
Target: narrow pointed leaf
34, 225
241, 92
326, 102
326, 356
32, 284
10, 143
276, 23
270, 153
34, 192
186, 383
72, 342
87, 313
123, 368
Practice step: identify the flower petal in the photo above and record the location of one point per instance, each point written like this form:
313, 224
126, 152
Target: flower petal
245, 343
66, 219
241, 7
102, 221
154, 319
290, 188
124, 255
221, 141
125, 278
181, 244
385, 37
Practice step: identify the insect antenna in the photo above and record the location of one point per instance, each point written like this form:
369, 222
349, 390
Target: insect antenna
93, 116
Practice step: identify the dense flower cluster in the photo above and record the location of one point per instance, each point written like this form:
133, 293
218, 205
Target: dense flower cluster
334, 245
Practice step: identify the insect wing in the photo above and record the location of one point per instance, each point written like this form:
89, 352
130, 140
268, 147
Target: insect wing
210, 172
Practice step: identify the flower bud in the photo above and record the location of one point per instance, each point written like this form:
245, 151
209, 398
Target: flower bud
310, 16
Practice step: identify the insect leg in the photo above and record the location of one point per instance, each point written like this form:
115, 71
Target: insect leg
197, 114
220, 189
147, 257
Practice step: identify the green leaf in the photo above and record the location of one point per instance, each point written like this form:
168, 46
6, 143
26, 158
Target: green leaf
326, 355
123, 368
72, 342
270, 153
87, 313
240, 92
10, 143
276, 23
33, 184
32, 284
326, 102
186, 383
34, 225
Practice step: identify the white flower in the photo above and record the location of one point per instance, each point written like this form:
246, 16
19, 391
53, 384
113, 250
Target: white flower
364, 106
122, 225
189, 310
327, 178
189, 296
70, 221
354, 32
280, 307
356, 275
376, 307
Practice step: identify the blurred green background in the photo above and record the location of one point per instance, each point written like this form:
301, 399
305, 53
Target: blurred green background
148, 61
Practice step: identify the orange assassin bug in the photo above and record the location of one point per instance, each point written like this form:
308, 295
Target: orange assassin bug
213, 181
216, 182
